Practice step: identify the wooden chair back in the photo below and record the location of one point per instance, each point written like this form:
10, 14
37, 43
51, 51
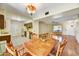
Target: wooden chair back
15, 51
21, 51
43, 36
61, 47
10, 49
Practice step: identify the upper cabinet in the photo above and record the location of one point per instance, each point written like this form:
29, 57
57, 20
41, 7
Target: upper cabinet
1, 21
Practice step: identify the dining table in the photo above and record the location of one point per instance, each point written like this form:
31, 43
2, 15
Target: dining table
38, 47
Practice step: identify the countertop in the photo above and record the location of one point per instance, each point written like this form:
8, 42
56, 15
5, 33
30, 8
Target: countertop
4, 34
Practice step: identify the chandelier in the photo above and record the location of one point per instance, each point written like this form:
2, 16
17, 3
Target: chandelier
31, 8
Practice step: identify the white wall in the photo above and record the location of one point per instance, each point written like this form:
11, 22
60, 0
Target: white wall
74, 30
16, 28
77, 30
13, 27
69, 27
8, 25
35, 26
45, 28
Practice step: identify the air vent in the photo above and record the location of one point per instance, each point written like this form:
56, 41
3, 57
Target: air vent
46, 13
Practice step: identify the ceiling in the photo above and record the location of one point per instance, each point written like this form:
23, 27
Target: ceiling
56, 11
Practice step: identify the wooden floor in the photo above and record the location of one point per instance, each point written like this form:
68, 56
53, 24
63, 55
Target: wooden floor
72, 47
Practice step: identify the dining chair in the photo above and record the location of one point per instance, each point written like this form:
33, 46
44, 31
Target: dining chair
15, 51
61, 47
58, 48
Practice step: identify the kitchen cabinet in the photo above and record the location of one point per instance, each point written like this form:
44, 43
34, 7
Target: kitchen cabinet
5, 37
1, 21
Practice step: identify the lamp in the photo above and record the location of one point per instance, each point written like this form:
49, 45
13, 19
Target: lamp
31, 8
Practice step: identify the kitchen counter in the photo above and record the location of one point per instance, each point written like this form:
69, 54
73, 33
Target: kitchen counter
4, 34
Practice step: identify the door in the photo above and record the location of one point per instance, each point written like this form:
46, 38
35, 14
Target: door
77, 31
16, 28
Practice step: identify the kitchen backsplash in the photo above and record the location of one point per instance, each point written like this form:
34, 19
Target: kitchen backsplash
3, 31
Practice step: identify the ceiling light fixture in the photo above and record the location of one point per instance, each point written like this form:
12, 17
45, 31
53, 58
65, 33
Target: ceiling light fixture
31, 8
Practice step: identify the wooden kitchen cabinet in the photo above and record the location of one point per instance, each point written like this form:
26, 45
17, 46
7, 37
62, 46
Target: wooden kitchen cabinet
1, 21
6, 38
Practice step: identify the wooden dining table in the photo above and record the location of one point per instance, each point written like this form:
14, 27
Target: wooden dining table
38, 47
